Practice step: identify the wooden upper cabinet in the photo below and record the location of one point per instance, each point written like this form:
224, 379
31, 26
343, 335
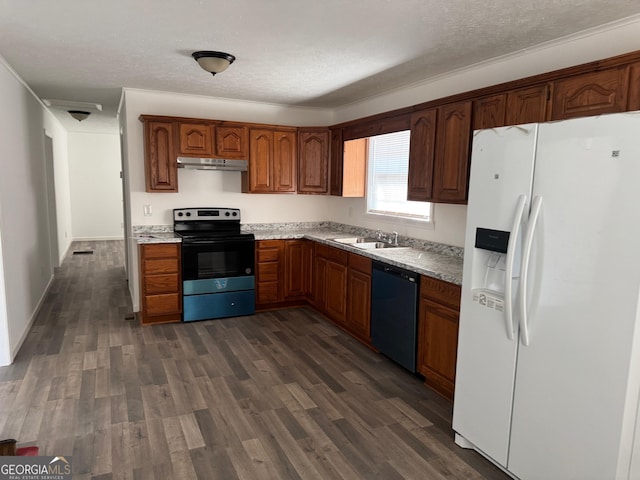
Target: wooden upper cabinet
590, 94
313, 160
336, 158
232, 141
421, 155
196, 140
260, 162
354, 167
451, 164
489, 112
524, 105
633, 97
161, 166
272, 162
528, 105
284, 162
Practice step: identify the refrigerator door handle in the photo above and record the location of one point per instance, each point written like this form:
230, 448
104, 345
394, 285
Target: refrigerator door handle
528, 242
511, 251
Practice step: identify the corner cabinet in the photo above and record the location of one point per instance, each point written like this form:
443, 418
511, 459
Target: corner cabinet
160, 283
439, 313
439, 154
313, 160
272, 162
160, 164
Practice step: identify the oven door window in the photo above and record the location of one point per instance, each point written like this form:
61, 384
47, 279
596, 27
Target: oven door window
217, 260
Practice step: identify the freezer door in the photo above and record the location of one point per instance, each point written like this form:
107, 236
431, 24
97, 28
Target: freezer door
501, 176
575, 395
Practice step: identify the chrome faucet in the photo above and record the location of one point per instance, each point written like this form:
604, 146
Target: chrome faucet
395, 239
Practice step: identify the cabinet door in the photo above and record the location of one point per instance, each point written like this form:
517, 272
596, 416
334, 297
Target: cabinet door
337, 151
633, 100
528, 105
195, 140
590, 94
161, 166
421, 155
297, 272
451, 165
489, 112
438, 346
232, 142
313, 168
261, 161
284, 162
336, 291
319, 287
359, 304
354, 167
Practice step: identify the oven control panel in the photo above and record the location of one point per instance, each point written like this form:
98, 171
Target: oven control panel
210, 214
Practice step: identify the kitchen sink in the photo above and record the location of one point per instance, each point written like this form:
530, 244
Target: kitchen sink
366, 243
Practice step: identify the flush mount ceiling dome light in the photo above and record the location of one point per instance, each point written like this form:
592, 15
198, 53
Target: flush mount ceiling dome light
79, 115
213, 62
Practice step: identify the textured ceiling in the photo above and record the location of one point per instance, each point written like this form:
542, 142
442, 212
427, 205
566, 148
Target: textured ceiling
292, 52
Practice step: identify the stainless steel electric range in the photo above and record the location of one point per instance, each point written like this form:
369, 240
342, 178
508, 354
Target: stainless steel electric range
218, 263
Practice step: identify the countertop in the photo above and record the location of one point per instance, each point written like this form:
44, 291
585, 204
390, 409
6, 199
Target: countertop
441, 264
432, 264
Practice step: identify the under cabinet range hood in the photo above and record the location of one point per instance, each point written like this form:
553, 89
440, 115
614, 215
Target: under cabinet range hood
212, 164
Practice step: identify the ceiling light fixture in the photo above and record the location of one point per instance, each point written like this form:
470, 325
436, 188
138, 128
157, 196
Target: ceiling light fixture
79, 115
213, 62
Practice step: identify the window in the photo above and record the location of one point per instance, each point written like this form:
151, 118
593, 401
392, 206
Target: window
388, 169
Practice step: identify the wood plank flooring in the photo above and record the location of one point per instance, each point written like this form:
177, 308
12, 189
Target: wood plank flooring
278, 395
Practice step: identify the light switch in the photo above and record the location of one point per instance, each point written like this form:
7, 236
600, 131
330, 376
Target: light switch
147, 210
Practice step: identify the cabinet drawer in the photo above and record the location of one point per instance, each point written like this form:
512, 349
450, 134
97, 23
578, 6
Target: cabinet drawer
267, 293
162, 304
161, 265
360, 263
161, 250
268, 272
440, 291
338, 256
161, 283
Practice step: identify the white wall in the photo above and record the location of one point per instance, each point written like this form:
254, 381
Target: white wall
27, 262
96, 187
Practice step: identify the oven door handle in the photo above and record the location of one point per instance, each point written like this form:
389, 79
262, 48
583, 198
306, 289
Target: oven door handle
217, 241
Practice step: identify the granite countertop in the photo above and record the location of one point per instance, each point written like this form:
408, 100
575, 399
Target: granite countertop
426, 258
157, 237
442, 265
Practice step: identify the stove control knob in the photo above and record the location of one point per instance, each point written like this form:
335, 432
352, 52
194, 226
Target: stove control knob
180, 214
235, 214
188, 214
226, 214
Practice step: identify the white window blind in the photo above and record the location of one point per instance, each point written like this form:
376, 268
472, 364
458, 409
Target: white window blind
387, 178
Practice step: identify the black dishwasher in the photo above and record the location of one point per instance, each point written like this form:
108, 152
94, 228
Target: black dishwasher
394, 313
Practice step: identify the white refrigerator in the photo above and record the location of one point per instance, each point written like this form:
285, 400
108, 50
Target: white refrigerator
548, 369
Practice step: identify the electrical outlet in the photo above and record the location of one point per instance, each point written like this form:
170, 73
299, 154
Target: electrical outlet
146, 209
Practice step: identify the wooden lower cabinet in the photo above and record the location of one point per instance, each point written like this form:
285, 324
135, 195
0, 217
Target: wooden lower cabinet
336, 285
283, 272
269, 272
439, 313
359, 297
160, 283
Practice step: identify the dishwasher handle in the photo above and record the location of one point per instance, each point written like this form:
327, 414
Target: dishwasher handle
396, 271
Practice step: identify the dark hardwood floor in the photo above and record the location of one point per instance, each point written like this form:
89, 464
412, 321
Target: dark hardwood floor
278, 395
